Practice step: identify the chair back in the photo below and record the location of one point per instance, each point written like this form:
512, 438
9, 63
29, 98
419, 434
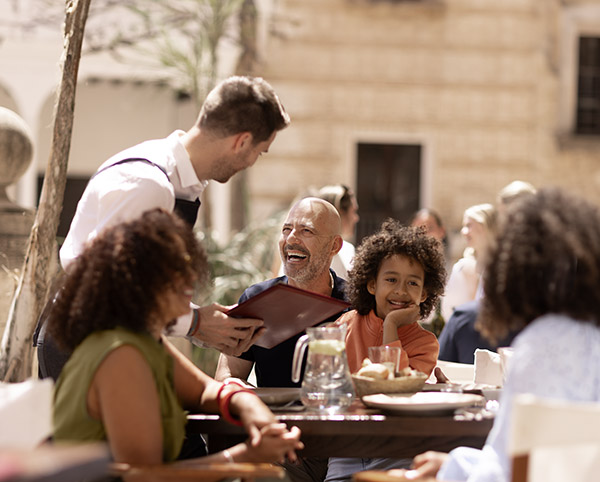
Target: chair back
383, 476
189, 470
25, 414
552, 440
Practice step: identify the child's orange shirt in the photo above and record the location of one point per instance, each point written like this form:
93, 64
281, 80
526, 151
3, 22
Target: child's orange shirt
419, 347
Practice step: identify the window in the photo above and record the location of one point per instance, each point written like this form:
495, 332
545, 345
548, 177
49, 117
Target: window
588, 87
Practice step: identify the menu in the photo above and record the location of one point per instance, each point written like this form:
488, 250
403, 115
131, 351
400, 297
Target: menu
287, 311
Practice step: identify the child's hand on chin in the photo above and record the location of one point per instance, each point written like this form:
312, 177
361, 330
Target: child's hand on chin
403, 316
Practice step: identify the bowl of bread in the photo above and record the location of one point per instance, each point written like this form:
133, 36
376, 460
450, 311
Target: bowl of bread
378, 378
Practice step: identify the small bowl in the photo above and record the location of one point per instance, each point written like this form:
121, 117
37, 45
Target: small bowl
369, 386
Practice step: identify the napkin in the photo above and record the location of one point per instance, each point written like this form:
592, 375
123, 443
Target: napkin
505, 352
25, 413
488, 368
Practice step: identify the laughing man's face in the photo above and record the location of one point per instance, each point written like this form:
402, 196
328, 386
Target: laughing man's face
305, 244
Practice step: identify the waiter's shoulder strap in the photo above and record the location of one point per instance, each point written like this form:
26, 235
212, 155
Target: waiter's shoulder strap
133, 159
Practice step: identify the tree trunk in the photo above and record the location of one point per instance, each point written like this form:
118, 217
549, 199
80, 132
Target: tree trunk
16, 349
246, 66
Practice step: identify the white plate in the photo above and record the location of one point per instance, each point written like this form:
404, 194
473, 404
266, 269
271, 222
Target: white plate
277, 395
422, 402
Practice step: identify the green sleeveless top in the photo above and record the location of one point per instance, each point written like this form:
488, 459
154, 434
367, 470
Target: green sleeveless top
71, 419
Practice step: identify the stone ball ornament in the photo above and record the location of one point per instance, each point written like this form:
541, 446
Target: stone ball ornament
16, 147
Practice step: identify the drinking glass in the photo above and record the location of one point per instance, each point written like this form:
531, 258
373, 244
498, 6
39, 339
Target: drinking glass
386, 355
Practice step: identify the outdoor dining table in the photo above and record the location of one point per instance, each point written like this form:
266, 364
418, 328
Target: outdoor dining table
359, 432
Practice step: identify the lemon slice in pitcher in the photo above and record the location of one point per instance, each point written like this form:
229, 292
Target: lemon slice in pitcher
326, 347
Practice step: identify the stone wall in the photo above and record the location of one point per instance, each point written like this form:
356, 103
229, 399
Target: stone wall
481, 82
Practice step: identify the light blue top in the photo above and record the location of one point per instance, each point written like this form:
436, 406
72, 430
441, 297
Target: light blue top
554, 357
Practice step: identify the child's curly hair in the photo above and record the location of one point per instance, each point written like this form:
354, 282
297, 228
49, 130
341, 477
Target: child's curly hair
395, 239
119, 277
546, 259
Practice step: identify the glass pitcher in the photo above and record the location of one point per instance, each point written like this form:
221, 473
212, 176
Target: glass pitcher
327, 385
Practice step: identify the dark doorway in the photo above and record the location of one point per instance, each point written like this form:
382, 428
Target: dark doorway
388, 184
73, 191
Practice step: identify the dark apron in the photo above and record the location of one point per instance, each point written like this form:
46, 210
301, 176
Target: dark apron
51, 358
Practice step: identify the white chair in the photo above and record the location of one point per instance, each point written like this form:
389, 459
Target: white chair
554, 441
25, 413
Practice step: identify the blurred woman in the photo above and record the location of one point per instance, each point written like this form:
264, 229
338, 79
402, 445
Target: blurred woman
478, 229
124, 382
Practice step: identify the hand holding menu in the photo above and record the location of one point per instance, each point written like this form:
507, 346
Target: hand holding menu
287, 311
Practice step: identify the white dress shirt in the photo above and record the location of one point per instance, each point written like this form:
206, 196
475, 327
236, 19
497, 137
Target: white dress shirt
125, 191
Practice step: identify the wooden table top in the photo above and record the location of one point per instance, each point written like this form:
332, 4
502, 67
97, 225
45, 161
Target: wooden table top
360, 432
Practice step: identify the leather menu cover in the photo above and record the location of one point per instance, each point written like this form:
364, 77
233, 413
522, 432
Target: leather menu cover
287, 311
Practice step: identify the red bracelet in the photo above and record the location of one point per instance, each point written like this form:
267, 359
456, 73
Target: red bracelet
226, 402
223, 385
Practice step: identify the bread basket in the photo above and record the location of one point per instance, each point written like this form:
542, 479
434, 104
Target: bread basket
409, 384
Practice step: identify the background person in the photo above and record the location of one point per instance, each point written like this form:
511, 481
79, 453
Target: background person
124, 382
237, 123
431, 221
512, 192
344, 200
479, 228
460, 338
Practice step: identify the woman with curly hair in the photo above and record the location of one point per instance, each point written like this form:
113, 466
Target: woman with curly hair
397, 278
543, 278
124, 382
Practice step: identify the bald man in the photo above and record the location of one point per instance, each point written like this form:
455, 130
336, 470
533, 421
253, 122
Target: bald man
310, 238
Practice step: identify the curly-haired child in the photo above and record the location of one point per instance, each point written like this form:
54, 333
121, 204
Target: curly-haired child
397, 278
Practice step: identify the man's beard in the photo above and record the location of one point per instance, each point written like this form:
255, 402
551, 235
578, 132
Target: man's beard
305, 274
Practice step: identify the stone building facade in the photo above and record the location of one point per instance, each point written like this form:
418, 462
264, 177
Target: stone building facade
466, 96
488, 89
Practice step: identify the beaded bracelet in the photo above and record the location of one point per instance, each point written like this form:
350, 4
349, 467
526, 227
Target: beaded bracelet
195, 326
